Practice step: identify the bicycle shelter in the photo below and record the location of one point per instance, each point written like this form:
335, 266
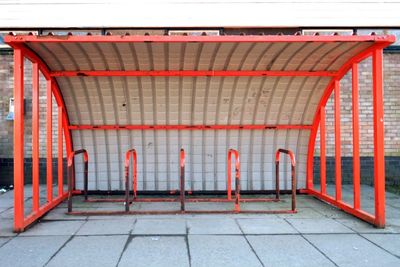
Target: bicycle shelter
155, 98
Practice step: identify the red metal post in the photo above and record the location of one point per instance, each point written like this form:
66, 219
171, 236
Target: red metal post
379, 134
18, 140
49, 127
338, 156
60, 151
71, 174
322, 139
35, 136
293, 165
134, 174
229, 178
237, 177
182, 179
356, 137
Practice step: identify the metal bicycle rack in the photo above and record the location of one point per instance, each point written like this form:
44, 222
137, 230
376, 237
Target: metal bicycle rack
127, 200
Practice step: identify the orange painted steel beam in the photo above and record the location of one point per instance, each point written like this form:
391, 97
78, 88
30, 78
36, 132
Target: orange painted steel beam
379, 135
188, 127
60, 152
338, 153
322, 139
201, 39
49, 137
18, 139
356, 137
42, 211
35, 137
189, 73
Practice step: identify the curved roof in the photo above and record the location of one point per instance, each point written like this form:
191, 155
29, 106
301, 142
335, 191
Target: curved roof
204, 80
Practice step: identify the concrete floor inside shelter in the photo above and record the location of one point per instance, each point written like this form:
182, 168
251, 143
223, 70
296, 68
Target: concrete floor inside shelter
318, 235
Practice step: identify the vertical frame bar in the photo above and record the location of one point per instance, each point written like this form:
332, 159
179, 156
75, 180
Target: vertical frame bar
60, 151
338, 160
49, 127
18, 140
379, 149
35, 136
322, 139
356, 137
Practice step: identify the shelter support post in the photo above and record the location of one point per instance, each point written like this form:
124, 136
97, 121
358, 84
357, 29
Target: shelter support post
356, 137
35, 137
49, 127
322, 138
379, 156
18, 140
338, 153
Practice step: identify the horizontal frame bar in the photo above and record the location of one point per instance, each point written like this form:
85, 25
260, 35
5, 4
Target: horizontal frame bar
42, 211
365, 216
190, 127
190, 73
200, 39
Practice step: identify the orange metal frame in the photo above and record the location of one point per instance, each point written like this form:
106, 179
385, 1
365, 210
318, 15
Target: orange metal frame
21, 51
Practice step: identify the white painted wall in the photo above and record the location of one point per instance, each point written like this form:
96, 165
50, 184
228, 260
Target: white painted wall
204, 13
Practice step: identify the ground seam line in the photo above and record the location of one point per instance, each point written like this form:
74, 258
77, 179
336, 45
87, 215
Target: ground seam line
251, 247
308, 241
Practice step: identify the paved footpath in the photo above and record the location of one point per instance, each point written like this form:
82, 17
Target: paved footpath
319, 235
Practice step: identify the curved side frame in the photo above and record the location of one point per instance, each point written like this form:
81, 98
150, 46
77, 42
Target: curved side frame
315, 125
29, 54
21, 222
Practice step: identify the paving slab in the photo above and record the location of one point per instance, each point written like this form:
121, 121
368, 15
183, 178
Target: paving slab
58, 214
314, 226
165, 206
6, 227
213, 226
30, 251
287, 250
54, 228
332, 212
160, 227
90, 251
204, 206
352, 250
393, 202
149, 251
106, 227
212, 250
3, 240
390, 242
363, 227
301, 213
265, 226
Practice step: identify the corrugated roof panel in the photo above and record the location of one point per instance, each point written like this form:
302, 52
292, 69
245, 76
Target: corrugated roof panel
207, 100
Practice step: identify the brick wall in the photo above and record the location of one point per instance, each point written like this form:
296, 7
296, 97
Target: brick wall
6, 127
392, 121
